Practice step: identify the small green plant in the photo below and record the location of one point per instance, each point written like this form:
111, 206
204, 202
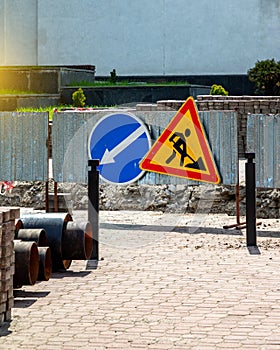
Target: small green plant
266, 76
52, 109
49, 109
113, 77
218, 90
78, 98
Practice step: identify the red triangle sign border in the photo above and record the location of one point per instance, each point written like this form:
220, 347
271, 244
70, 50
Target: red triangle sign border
147, 162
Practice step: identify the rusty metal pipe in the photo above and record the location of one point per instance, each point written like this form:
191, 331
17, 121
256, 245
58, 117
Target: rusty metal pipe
55, 198
26, 263
18, 226
37, 235
45, 263
77, 242
54, 224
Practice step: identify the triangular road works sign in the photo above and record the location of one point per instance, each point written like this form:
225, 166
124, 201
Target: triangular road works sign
182, 149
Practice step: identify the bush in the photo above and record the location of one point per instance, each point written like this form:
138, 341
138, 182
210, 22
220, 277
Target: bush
78, 98
113, 77
266, 76
218, 90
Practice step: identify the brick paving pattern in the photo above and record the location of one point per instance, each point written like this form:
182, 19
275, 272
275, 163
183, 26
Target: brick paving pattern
201, 291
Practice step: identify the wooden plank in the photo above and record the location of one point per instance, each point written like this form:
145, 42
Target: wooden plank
14, 212
5, 214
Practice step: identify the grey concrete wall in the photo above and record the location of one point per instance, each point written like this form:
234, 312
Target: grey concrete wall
143, 37
2, 32
18, 32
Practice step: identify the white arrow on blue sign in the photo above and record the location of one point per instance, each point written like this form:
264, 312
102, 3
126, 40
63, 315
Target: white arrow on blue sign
119, 141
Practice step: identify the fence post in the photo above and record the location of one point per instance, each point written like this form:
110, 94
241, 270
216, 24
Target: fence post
93, 205
250, 174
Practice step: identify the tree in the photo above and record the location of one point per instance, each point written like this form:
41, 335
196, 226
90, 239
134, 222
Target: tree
266, 76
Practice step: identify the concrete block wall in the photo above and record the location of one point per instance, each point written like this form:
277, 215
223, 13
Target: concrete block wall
7, 261
13, 102
241, 104
46, 80
164, 105
41, 80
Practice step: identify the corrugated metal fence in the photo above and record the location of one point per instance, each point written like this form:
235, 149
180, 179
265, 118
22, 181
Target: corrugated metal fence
71, 131
23, 146
24, 153
263, 138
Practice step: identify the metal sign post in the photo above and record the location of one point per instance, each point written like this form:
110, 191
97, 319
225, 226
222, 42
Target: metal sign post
250, 174
93, 205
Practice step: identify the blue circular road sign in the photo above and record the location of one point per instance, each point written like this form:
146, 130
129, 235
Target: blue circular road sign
119, 141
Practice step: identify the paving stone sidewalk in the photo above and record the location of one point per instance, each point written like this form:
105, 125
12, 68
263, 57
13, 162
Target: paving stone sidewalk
161, 284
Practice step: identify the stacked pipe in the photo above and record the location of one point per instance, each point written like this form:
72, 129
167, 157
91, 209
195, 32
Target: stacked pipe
67, 239
26, 263
33, 256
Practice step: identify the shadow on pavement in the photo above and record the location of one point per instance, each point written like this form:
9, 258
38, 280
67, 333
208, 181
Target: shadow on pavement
69, 273
272, 234
179, 229
92, 265
27, 294
184, 229
23, 299
4, 329
23, 303
254, 250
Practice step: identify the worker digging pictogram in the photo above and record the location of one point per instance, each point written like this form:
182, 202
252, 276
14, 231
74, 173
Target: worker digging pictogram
180, 149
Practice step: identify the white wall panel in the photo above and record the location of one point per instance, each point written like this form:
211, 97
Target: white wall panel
18, 32
142, 37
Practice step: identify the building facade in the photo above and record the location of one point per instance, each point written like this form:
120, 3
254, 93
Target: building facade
141, 37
